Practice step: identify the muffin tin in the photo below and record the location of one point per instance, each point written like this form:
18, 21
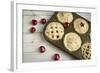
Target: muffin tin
85, 38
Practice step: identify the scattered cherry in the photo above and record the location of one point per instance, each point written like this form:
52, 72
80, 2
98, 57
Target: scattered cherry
34, 22
66, 24
43, 21
32, 29
42, 49
56, 57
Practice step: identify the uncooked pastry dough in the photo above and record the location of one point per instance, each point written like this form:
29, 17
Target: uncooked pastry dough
54, 31
65, 17
81, 26
86, 50
72, 41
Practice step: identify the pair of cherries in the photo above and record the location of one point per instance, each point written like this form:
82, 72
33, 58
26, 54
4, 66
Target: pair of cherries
56, 56
34, 22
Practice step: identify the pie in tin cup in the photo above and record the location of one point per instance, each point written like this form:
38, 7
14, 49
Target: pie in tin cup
81, 26
65, 17
54, 31
72, 41
86, 50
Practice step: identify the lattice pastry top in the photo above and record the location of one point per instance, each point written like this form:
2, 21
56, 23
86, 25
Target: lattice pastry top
54, 31
86, 50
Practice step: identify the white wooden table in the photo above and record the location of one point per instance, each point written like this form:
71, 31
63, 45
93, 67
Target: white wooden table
32, 41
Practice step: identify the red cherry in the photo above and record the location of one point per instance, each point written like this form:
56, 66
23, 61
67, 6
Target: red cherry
43, 21
66, 24
42, 49
34, 22
56, 57
32, 30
